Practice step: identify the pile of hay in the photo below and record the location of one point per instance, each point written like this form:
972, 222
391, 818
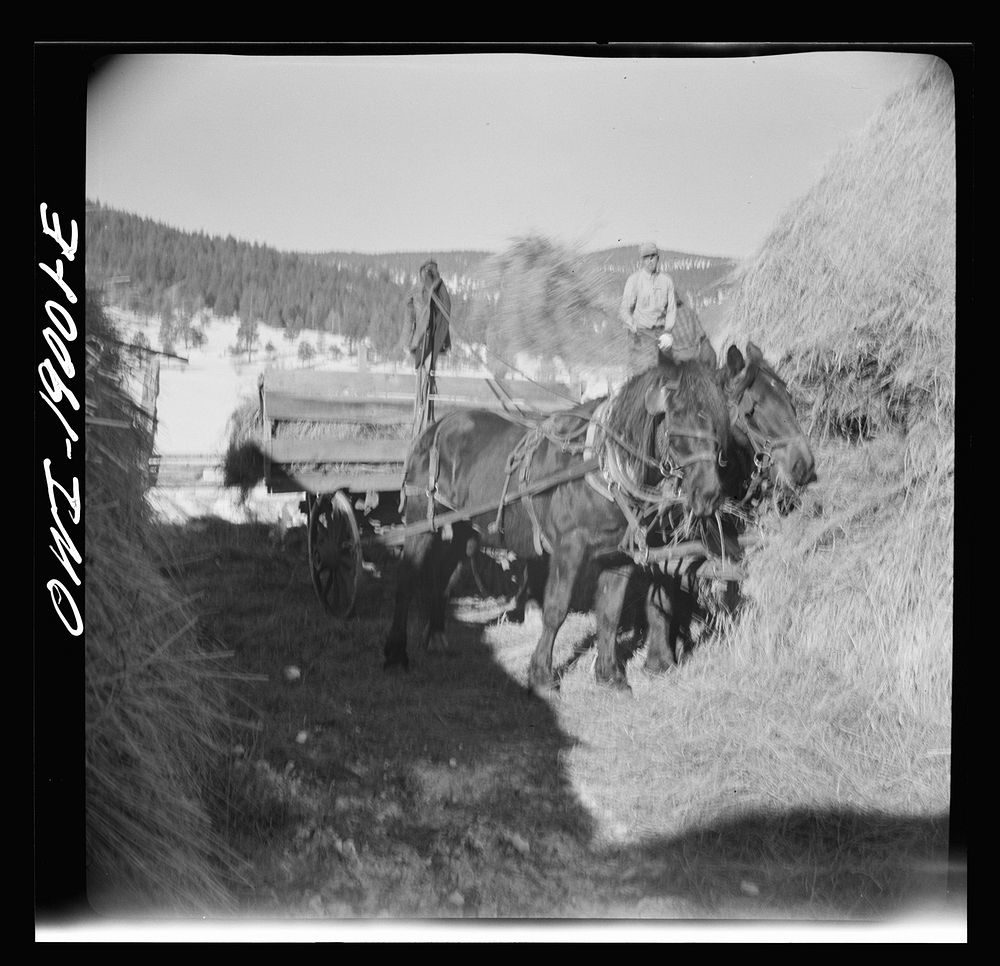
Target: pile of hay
853, 296
243, 464
854, 290
156, 703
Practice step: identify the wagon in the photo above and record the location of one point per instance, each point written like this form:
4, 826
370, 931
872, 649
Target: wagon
350, 464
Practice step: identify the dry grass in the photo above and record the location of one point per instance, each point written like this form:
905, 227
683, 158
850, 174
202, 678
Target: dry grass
863, 578
746, 785
243, 462
854, 292
157, 719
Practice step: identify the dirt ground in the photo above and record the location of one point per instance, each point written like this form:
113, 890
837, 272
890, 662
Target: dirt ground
439, 795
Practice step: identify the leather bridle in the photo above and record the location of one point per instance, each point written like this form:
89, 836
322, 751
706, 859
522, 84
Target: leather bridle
763, 445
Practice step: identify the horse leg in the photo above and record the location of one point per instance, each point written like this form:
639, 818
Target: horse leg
731, 597
530, 589
536, 575
661, 637
611, 587
515, 610
446, 560
462, 560
416, 550
564, 565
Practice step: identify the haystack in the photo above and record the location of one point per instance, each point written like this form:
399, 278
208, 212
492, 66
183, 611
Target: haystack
853, 296
156, 706
854, 289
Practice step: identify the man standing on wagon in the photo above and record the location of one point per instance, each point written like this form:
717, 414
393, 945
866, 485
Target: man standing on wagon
429, 314
650, 311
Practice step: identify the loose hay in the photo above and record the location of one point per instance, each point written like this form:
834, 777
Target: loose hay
550, 305
157, 725
854, 292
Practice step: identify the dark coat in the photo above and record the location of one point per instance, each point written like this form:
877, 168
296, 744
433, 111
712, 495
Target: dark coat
429, 315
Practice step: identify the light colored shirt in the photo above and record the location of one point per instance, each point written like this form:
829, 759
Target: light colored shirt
649, 301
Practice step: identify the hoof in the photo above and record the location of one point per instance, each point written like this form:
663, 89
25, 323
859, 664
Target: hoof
657, 667
435, 642
532, 616
615, 682
543, 685
513, 616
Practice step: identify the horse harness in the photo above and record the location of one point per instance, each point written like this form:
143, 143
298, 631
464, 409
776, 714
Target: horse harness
610, 466
741, 411
642, 506
519, 461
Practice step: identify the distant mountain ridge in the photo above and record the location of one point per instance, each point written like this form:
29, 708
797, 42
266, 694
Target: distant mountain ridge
158, 270
700, 275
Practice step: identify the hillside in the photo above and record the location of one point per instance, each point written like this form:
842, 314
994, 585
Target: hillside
150, 268
160, 271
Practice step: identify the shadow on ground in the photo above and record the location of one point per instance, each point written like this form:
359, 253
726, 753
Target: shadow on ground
441, 792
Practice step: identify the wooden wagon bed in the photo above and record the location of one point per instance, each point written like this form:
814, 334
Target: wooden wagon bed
380, 404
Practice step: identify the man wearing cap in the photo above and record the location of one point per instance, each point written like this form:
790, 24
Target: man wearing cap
661, 324
649, 307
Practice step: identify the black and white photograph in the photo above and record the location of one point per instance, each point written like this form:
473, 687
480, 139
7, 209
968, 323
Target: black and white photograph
499, 492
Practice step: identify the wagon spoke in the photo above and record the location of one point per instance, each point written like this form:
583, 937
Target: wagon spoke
339, 584
335, 553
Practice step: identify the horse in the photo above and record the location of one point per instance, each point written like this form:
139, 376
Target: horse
768, 450
767, 454
660, 435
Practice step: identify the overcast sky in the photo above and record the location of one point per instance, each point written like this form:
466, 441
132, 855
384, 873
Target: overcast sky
467, 151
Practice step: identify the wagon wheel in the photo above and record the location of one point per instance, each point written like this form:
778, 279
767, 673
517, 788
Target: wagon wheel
335, 553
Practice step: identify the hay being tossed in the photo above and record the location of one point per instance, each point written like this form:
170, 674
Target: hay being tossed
548, 303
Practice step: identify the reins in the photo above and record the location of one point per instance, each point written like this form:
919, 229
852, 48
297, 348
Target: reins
636, 501
641, 505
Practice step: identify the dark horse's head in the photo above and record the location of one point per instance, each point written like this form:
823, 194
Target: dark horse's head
763, 410
675, 414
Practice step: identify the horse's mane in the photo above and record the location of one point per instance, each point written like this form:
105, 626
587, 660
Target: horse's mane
696, 395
